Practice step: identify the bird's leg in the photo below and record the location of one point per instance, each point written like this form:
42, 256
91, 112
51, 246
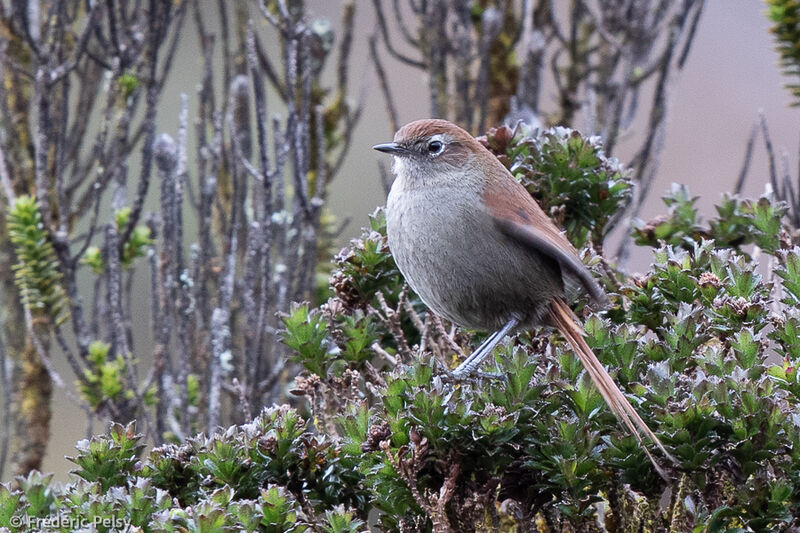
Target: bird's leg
475, 359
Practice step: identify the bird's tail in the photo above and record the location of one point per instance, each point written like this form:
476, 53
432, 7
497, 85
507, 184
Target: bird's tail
565, 320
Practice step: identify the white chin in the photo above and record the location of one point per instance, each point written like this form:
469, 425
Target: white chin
399, 165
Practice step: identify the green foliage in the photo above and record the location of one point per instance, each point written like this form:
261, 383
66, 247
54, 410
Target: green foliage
367, 268
103, 379
128, 82
37, 275
109, 460
688, 342
93, 258
136, 246
704, 345
271, 475
738, 223
568, 174
138, 243
306, 333
785, 14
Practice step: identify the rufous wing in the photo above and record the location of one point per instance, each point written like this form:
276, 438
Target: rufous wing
552, 246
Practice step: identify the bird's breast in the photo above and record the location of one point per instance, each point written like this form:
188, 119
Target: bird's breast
447, 247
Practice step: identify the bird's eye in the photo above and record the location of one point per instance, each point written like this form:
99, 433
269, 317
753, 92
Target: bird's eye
435, 147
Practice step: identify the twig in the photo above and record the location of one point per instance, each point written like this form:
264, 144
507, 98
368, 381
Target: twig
773, 173
387, 41
391, 110
165, 153
5, 418
243, 403
5, 181
693, 25
114, 284
377, 348
748, 155
437, 325
47, 362
392, 319
162, 365
220, 317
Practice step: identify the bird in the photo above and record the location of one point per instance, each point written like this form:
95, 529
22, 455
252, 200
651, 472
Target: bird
479, 251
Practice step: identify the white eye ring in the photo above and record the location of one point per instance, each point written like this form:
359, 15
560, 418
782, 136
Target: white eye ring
435, 147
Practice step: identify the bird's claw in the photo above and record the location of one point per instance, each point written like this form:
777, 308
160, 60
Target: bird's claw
473, 376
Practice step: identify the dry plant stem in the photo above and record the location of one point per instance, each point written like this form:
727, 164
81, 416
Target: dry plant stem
408, 474
646, 160
162, 365
374, 377
166, 163
384, 31
425, 337
149, 129
220, 318
391, 109
5, 411
5, 180
73, 362
183, 306
377, 348
748, 157
264, 229
41, 346
242, 397
127, 411
448, 339
781, 185
254, 357
773, 172
441, 523
608, 270
119, 341
351, 116
406, 306
391, 318
325, 402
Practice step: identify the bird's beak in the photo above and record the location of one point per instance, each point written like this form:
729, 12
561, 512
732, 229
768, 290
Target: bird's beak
390, 148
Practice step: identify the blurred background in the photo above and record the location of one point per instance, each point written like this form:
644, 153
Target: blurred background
730, 79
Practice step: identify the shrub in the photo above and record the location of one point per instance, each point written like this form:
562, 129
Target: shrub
704, 344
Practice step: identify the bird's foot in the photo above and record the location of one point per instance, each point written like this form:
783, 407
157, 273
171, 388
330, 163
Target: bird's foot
470, 376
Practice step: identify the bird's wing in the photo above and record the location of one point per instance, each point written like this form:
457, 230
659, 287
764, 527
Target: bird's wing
547, 244
519, 217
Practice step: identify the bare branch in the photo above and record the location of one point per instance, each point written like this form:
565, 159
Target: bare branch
748, 154
387, 95
387, 42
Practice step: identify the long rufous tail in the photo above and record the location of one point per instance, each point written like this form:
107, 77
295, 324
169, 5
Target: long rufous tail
564, 319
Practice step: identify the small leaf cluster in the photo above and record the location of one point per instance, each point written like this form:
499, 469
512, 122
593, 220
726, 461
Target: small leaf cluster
785, 14
136, 246
37, 273
326, 347
104, 379
367, 267
738, 222
568, 174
